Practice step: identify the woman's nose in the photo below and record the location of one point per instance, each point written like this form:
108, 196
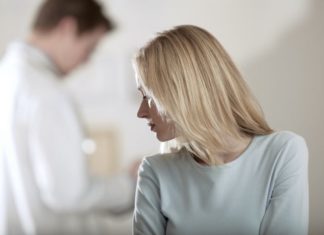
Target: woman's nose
142, 110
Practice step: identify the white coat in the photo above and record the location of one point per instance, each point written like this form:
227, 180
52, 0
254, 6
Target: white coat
45, 187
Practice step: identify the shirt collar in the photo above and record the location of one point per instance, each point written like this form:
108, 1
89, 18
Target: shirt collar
36, 56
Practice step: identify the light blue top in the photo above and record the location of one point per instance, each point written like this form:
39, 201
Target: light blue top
264, 191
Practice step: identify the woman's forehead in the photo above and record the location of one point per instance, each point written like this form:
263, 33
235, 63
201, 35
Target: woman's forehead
139, 82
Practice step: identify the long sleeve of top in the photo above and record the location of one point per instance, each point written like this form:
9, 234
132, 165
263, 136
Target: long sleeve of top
264, 191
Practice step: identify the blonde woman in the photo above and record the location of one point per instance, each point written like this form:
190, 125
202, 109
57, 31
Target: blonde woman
229, 172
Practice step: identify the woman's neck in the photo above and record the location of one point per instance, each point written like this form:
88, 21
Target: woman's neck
238, 147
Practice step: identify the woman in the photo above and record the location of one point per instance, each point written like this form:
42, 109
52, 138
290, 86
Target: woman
229, 172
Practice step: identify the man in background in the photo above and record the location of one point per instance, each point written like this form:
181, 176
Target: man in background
45, 185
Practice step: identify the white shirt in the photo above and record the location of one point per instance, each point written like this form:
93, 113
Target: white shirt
45, 187
263, 192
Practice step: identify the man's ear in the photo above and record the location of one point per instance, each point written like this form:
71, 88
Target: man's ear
67, 26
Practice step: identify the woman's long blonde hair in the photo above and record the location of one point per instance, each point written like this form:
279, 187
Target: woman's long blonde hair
195, 83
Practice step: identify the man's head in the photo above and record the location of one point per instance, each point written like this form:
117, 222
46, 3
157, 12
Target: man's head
69, 30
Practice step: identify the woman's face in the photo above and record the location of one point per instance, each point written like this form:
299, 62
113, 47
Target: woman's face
164, 129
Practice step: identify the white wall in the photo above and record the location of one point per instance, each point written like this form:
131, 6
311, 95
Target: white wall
278, 45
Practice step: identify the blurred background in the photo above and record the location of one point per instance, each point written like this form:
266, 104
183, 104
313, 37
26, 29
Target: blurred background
278, 45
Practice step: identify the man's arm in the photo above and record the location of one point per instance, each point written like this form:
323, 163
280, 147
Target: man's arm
61, 167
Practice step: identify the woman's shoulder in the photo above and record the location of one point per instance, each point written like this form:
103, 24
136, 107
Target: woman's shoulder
166, 162
284, 145
279, 139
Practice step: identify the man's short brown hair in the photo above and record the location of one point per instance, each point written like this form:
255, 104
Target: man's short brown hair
87, 13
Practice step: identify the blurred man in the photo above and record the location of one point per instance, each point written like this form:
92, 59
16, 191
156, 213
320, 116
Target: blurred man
45, 187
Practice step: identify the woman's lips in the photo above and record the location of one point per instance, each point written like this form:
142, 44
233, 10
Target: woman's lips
152, 126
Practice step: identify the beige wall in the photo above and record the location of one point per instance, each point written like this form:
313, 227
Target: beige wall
289, 80
277, 44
